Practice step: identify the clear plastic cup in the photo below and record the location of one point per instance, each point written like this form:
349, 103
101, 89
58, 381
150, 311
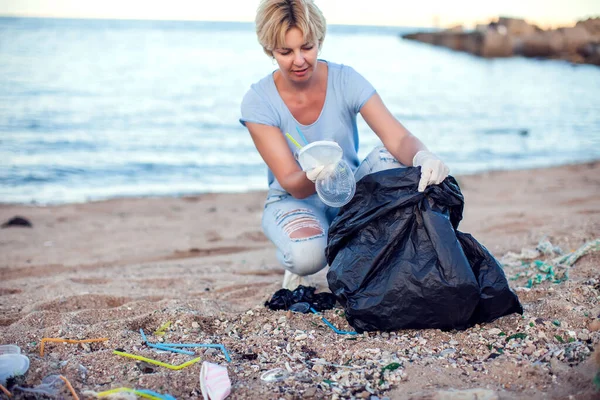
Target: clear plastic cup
337, 187
322, 152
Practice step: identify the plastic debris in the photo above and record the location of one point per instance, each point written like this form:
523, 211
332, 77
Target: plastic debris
162, 329
275, 375
283, 299
555, 270
209, 345
10, 349
214, 381
162, 346
69, 386
144, 393
51, 386
302, 307
329, 324
12, 365
156, 362
5, 391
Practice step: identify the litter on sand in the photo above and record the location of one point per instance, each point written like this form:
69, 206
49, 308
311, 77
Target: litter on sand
162, 346
555, 270
329, 324
144, 393
156, 362
214, 381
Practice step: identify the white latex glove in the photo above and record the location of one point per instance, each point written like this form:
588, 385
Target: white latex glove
433, 170
320, 172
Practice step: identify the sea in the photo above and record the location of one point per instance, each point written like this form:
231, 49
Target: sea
99, 109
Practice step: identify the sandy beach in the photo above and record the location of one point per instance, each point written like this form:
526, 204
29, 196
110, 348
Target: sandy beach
109, 268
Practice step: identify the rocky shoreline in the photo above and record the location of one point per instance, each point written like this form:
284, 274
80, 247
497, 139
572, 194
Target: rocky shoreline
509, 37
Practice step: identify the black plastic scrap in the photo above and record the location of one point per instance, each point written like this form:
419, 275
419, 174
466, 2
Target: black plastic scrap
283, 299
397, 260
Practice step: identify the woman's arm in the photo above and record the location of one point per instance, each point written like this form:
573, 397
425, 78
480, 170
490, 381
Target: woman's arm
274, 150
405, 147
395, 137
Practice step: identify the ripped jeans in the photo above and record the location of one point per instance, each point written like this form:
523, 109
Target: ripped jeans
299, 227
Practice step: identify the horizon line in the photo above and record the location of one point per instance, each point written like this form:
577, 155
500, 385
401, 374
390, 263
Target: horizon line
464, 24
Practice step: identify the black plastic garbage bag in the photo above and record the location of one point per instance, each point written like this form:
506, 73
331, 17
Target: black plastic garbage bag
397, 260
283, 299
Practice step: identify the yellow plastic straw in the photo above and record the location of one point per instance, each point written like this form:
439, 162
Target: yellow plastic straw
156, 362
61, 340
66, 381
163, 329
124, 389
293, 140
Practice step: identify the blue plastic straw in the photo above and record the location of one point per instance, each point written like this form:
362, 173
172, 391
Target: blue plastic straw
301, 135
329, 324
153, 393
214, 346
162, 346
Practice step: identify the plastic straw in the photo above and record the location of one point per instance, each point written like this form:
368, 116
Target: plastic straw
147, 394
329, 324
66, 381
156, 362
214, 346
61, 340
5, 391
293, 140
301, 135
163, 347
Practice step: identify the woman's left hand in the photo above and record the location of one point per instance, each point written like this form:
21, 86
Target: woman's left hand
433, 170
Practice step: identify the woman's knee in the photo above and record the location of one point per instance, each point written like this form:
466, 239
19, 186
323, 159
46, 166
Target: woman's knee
307, 256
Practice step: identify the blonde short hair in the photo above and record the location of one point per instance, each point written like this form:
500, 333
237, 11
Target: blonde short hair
274, 18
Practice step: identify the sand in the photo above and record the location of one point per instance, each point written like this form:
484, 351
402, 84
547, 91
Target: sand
109, 268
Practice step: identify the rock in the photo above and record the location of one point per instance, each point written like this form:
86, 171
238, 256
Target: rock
310, 392
17, 221
583, 335
302, 336
511, 36
529, 350
516, 26
494, 44
195, 325
595, 325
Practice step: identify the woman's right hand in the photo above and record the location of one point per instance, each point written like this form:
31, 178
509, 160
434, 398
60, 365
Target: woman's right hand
319, 172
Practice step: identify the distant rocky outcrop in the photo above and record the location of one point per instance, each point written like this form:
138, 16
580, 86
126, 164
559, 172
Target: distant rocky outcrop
509, 37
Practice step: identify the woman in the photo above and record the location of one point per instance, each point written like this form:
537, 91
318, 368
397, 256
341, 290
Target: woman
322, 99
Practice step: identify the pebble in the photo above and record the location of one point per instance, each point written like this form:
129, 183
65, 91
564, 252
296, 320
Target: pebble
195, 325
595, 325
302, 336
529, 350
583, 335
310, 392
494, 331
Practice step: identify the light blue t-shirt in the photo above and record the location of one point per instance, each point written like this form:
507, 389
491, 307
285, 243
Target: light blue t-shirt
347, 92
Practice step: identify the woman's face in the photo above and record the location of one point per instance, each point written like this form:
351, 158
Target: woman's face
297, 59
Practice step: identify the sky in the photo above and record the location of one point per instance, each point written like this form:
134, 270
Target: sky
546, 13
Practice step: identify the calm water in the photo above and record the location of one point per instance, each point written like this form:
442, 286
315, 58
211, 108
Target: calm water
100, 109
